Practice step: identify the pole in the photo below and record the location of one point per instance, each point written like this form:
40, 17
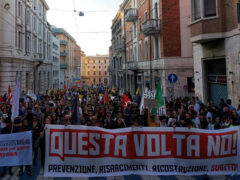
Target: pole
150, 46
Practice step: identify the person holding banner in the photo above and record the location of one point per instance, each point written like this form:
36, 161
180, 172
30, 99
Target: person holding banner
42, 141
36, 129
7, 130
24, 128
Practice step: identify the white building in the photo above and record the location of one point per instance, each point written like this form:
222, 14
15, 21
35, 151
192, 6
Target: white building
25, 45
56, 62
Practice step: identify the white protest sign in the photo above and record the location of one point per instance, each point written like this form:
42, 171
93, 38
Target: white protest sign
16, 149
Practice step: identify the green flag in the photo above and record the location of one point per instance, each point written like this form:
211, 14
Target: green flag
159, 98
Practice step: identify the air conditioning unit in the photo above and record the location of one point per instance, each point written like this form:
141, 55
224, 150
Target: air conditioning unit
28, 28
19, 21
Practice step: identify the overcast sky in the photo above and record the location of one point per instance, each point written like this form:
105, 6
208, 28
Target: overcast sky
91, 43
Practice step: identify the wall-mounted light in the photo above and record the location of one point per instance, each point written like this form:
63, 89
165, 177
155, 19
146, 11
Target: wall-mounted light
7, 6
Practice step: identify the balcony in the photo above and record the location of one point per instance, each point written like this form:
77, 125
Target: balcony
132, 66
63, 66
38, 56
63, 54
63, 43
120, 46
131, 15
151, 26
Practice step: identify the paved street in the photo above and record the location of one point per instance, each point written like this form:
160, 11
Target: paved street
37, 174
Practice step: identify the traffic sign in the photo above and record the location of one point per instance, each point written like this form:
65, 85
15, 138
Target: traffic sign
172, 78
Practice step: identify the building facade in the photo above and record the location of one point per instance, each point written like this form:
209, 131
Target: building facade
25, 45
95, 70
55, 62
215, 36
152, 43
70, 58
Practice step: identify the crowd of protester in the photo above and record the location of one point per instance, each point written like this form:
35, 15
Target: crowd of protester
57, 107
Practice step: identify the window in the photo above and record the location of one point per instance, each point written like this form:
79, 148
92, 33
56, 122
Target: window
34, 44
105, 80
135, 53
131, 54
105, 72
156, 49
40, 28
19, 39
28, 42
140, 50
100, 73
203, 9
93, 67
94, 73
88, 72
196, 9
140, 24
99, 67
35, 24
210, 8
28, 18
34, 4
134, 30
40, 47
156, 10
100, 80
146, 50
19, 9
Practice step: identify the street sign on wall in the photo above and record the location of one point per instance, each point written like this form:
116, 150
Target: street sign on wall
172, 78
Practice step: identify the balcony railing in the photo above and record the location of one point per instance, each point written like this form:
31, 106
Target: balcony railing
63, 66
63, 42
120, 46
64, 53
131, 15
151, 26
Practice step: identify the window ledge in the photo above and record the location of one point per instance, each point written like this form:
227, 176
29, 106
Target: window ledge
203, 19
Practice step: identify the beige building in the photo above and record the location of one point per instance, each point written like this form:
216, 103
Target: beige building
70, 58
26, 43
95, 70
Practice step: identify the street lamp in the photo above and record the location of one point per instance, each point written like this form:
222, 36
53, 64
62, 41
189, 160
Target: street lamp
81, 13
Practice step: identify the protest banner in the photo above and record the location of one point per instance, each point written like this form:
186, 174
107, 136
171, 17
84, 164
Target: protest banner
80, 151
16, 149
150, 103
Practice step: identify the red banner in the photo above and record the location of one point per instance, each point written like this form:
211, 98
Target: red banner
146, 145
